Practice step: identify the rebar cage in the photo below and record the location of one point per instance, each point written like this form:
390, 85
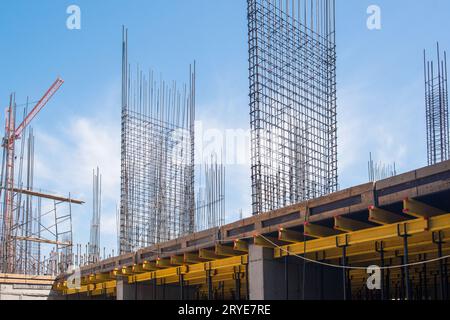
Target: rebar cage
436, 101
292, 72
157, 170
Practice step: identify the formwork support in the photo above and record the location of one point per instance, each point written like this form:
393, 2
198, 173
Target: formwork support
238, 285
286, 276
210, 285
346, 285
443, 285
181, 277
425, 278
407, 284
380, 249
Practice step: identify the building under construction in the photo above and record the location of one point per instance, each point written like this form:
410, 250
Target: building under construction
318, 249
306, 239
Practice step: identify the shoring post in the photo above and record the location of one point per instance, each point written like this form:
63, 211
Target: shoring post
181, 279
442, 277
210, 285
425, 278
435, 281
446, 277
388, 281
345, 273
163, 289
397, 291
380, 249
247, 283
222, 288
155, 289
197, 293
322, 293
238, 285
286, 276
405, 237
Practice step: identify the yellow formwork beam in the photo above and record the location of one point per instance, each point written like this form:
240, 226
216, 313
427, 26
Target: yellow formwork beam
429, 250
419, 209
389, 245
163, 263
138, 268
222, 270
267, 242
97, 292
240, 245
349, 225
93, 289
99, 278
318, 231
412, 227
126, 271
177, 260
215, 279
226, 251
290, 235
208, 255
111, 291
190, 257
383, 217
114, 273
190, 269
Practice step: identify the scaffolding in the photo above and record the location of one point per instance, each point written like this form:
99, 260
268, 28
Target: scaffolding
292, 57
436, 101
36, 238
157, 170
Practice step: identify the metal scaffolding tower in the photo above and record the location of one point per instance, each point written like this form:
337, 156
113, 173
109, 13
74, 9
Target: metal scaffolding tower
94, 244
292, 57
36, 226
157, 174
436, 101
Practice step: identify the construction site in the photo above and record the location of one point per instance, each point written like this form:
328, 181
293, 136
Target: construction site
306, 238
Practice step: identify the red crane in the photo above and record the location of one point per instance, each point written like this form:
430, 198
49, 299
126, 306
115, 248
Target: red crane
11, 135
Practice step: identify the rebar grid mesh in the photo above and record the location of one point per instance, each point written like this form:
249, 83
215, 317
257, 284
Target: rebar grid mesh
157, 174
436, 100
292, 57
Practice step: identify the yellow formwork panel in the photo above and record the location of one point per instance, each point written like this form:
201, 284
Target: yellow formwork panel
188, 270
367, 236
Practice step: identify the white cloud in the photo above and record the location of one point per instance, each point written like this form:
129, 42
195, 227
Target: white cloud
390, 125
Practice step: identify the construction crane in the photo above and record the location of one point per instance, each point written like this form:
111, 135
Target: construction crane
11, 135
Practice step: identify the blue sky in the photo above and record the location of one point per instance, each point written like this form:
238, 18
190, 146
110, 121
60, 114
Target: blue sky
380, 83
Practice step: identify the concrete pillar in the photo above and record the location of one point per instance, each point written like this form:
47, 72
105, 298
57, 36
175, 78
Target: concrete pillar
266, 275
126, 291
146, 291
267, 278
